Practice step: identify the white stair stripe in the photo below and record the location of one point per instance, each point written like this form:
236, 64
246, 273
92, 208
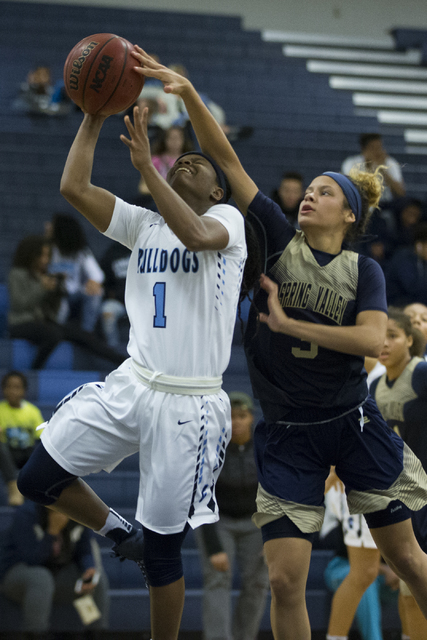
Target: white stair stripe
381, 71
367, 84
411, 56
271, 35
380, 100
402, 117
417, 136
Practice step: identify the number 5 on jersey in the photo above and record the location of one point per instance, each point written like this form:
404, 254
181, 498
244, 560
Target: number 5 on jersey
159, 293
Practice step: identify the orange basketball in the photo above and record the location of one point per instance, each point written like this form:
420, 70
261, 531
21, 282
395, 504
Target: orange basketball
99, 75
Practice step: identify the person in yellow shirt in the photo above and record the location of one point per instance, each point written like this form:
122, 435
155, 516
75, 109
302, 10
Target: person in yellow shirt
19, 418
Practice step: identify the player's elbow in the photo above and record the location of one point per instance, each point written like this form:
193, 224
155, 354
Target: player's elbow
68, 190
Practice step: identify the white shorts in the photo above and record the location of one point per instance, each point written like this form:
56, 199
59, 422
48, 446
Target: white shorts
181, 441
355, 530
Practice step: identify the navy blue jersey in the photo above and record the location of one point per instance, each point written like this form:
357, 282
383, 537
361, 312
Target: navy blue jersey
292, 378
403, 404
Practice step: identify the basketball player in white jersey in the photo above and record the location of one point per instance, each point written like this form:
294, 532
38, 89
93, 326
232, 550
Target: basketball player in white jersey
165, 401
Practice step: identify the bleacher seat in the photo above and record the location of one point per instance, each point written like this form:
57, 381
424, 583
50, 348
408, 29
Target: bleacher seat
4, 306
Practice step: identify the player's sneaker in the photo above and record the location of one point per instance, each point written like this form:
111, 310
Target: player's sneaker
131, 547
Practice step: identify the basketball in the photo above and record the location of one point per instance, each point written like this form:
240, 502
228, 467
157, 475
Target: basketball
99, 75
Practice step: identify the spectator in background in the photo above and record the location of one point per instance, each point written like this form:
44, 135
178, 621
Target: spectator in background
114, 264
73, 260
372, 156
406, 274
418, 315
289, 194
36, 92
234, 538
19, 418
408, 214
171, 144
44, 556
164, 108
35, 296
381, 231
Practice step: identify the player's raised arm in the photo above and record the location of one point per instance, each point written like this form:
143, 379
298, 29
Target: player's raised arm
209, 134
95, 203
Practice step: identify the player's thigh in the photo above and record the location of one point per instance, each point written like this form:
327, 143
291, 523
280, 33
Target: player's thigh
91, 429
181, 456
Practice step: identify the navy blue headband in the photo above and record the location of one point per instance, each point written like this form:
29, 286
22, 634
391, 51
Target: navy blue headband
350, 191
221, 177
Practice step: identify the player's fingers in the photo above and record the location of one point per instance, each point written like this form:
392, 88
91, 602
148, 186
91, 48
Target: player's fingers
127, 142
263, 317
129, 125
267, 284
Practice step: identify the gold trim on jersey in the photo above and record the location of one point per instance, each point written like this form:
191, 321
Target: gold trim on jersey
410, 488
391, 400
304, 284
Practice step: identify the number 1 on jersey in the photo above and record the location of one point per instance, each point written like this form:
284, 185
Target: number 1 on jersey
159, 293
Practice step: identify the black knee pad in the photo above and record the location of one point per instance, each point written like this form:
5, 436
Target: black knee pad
42, 479
162, 557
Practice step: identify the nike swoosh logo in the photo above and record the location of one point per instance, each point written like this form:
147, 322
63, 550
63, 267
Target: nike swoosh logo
185, 421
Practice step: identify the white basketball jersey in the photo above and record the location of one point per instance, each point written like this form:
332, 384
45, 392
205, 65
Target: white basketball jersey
181, 304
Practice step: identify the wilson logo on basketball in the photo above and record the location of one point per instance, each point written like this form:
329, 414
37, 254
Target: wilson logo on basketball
101, 73
78, 64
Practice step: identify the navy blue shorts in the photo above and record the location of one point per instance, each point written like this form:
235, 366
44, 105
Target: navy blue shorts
294, 461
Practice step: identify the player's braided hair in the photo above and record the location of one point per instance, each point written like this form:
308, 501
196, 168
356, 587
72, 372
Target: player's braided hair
253, 270
370, 186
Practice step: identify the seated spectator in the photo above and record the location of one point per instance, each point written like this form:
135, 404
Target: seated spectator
34, 299
73, 260
372, 156
171, 144
408, 214
165, 108
36, 92
381, 231
114, 263
234, 539
289, 194
44, 557
406, 274
19, 418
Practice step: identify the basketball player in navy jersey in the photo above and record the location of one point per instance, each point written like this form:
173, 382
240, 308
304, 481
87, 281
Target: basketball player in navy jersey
322, 309
183, 285
401, 396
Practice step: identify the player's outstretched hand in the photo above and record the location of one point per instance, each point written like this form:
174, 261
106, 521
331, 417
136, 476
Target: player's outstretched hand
276, 319
173, 82
139, 144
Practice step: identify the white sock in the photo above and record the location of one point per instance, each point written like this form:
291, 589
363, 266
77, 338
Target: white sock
328, 637
114, 521
405, 637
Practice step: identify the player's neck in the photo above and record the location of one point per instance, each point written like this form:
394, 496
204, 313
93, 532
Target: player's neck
328, 243
396, 370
